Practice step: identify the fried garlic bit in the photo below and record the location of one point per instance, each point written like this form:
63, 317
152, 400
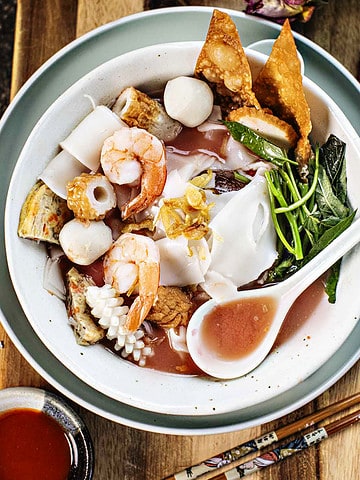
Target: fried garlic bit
171, 308
203, 179
188, 215
223, 64
146, 224
90, 196
279, 87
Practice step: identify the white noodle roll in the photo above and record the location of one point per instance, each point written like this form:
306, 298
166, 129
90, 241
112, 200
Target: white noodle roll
60, 170
188, 100
85, 242
243, 242
137, 109
86, 140
182, 262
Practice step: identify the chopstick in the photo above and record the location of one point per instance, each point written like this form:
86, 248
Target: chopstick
289, 449
256, 444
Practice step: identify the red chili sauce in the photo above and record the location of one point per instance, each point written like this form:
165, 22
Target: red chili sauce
234, 329
32, 446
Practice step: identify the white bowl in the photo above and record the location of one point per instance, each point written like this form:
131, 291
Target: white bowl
295, 360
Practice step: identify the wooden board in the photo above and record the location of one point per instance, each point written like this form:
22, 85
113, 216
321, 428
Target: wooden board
123, 453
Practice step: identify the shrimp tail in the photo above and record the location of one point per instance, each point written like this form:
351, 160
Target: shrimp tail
151, 186
149, 274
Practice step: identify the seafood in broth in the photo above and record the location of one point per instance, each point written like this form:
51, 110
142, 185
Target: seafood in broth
191, 195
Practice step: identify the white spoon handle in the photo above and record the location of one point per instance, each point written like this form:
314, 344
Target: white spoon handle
310, 272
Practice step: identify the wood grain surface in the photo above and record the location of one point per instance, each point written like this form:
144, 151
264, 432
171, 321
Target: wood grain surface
123, 453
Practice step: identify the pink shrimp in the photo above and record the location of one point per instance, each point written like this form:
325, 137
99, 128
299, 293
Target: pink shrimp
133, 262
131, 154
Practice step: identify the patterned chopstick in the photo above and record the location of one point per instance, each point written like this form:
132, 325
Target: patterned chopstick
291, 448
256, 444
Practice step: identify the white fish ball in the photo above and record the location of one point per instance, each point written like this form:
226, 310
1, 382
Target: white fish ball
61, 169
86, 140
188, 100
85, 242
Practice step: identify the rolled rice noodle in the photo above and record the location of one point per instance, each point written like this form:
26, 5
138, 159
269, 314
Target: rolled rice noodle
86, 140
182, 262
61, 170
243, 243
188, 166
238, 157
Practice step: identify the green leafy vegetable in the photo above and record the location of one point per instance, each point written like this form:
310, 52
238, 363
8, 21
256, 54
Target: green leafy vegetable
333, 155
329, 235
328, 202
307, 216
257, 144
241, 178
332, 281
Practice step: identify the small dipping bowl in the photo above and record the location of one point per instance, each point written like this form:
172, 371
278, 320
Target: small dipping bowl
58, 417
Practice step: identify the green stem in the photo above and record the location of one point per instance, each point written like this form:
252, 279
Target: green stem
305, 198
275, 220
276, 193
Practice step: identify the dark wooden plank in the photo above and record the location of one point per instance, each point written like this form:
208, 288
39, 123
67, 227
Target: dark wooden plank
335, 27
42, 28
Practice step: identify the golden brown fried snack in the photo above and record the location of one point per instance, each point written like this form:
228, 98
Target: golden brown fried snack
267, 125
137, 109
279, 87
43, 214
86, 330
171, 308
222, 63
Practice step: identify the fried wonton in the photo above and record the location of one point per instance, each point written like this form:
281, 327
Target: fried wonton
279, 87
222, 63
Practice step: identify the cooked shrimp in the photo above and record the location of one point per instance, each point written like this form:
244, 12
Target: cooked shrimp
131, 154
133, 262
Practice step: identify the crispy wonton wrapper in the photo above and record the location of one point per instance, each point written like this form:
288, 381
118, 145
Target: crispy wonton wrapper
279, 87
222, 63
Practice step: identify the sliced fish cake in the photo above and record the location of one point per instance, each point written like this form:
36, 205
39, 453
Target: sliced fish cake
267, 125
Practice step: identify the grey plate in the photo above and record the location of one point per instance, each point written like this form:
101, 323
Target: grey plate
52, 79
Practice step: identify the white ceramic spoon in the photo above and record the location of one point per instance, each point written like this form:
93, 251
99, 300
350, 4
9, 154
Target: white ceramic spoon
283, 296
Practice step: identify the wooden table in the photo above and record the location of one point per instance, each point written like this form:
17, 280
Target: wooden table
124, 453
